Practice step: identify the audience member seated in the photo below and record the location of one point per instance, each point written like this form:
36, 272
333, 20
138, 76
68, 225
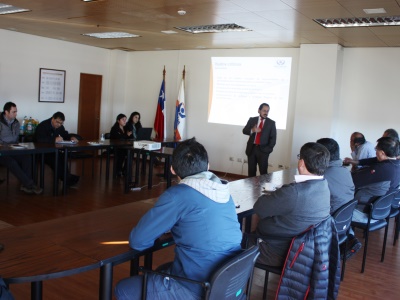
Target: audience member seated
52, 131
292, 209
339, 178
19, 165
133, 124
391, 133
361, 149
205, 228
118, 133
387, 167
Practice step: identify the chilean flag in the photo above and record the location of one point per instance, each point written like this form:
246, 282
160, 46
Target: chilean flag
159, 121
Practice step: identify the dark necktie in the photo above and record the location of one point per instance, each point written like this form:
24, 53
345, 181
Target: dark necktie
258, 134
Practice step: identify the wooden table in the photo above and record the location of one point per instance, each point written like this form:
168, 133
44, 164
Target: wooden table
245, 192
71, 245
97, 145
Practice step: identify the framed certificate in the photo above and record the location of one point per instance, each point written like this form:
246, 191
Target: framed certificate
51, 85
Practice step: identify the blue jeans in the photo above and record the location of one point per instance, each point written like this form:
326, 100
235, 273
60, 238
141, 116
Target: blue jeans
158, 288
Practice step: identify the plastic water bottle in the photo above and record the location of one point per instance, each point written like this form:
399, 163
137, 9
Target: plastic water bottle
29, 126
22, 127
102, 139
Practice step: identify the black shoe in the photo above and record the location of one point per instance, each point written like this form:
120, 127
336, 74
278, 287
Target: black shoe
353, 246
72, 180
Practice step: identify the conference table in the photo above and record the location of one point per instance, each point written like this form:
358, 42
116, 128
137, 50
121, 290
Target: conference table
33, 149
98, 239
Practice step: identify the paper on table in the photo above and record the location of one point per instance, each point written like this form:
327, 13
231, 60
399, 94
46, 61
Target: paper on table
66, 142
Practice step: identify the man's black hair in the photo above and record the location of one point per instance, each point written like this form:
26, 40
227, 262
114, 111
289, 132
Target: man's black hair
316, 158
262, 105
189, 158
389, 146
332, 146
8, 106
391, 133
59, 115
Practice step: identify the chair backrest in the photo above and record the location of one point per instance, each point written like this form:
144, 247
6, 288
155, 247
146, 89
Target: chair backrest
367, 193
233, 279
396, 200
107, 136
77, 136
380, 208
343, 215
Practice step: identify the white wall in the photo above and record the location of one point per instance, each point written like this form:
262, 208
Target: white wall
333, 92
21, 57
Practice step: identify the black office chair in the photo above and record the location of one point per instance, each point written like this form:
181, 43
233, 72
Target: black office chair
342, 217
378, 218
267, 268
232, 280
395, 213
80, 155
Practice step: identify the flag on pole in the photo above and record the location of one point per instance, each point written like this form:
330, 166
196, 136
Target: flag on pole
180, 114
160, 120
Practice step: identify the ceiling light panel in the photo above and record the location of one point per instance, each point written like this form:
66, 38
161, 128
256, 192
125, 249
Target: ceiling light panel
111, 35
9, 9
359, 22
213, 28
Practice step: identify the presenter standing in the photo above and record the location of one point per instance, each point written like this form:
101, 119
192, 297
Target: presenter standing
262, 139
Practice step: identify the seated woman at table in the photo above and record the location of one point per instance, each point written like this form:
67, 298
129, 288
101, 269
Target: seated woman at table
118, 132
133, 124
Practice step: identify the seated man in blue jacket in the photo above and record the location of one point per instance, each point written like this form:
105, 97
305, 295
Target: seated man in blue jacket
201, 216
292, 209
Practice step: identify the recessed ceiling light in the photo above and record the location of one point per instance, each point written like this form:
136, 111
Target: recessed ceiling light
6, 9
111, 35
359, 22
370, 11
168, 31
213, 28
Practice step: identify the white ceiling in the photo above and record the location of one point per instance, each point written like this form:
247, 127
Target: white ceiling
273, 23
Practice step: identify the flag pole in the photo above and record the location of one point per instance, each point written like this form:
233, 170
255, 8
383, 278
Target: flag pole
163, 73
183, 73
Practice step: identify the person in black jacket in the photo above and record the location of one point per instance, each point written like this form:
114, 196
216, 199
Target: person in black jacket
118, 132
262, 139
52, 131
133, 124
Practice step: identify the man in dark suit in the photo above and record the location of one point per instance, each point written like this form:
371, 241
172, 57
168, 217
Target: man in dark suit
262, 139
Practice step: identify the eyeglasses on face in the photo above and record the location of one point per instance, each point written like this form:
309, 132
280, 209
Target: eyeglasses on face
298, 156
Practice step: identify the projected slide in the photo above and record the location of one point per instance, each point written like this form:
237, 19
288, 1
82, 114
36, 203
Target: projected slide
238, 85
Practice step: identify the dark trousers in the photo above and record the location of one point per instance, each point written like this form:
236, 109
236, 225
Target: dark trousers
49, 159
20, 166
259, 158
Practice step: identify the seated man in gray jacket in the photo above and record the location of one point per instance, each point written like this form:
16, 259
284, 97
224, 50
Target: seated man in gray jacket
19, 165
295, 207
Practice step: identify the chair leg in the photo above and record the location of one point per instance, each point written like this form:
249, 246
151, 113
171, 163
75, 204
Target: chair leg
344, 261
384, 240
83, 166
397, 229
265, 285
366, 233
